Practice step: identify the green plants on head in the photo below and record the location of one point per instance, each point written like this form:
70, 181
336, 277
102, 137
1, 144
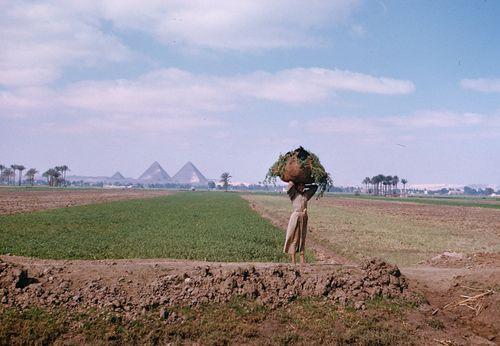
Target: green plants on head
306, 163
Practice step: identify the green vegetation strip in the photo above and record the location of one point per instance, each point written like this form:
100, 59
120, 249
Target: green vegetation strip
303, 321
493, 203
213, 226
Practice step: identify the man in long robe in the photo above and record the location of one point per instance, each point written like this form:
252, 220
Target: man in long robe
297, 226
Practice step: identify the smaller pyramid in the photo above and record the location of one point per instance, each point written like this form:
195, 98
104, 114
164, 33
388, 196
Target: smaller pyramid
155, 174
117, 176
189, 174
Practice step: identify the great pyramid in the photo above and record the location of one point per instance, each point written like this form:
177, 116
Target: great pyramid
155, 174
117, 176
189, 174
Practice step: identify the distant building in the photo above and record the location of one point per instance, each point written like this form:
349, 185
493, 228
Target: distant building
155, 174
189, 174
117, 176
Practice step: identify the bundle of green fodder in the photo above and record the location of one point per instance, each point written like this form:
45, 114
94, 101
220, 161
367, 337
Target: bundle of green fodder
300, 166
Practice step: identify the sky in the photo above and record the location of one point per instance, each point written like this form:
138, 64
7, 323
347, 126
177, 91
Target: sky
410, 88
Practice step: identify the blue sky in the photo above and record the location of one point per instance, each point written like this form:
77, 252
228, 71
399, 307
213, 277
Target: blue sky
393, 87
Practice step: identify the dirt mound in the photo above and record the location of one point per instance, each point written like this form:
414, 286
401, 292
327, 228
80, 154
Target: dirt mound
137, 290
282, 283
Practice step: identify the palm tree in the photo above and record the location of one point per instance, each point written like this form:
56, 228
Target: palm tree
64, 169
375, 181
380, 180
224, 179
395, 182
20, 168
366, 181
46, 174
404, 182
4, 174
52, 176
388, 183
30, 174
13, 177
56, 176
14, 169
8, 174
60, 170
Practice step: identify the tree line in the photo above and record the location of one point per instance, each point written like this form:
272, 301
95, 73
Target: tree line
383, 184
55, 176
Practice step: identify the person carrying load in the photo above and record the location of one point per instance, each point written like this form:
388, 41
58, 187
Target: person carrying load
305, 175
296, 231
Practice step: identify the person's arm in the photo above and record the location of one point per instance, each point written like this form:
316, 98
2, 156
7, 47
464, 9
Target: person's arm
311, 190
291, 190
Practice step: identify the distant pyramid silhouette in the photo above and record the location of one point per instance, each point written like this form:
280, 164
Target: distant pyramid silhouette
189, 174
155, 173
117, 176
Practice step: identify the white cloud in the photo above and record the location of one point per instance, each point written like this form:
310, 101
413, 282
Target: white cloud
131, 124
445, 122
358, 30
233, 25
344, 125
169, 91
490, 85
27, 102
436, 119
302, 85
12, 75
173, 99
39, 39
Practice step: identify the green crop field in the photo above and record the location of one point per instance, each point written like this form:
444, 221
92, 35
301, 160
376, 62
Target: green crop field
202, 225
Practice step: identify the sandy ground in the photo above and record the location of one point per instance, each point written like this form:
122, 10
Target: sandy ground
19, 201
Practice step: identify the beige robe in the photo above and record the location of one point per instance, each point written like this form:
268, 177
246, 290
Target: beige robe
297, 225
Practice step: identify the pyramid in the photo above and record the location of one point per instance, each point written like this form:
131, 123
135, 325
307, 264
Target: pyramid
155, 174
117, 176
189, 174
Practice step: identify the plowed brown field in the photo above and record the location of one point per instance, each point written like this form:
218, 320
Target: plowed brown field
24, 200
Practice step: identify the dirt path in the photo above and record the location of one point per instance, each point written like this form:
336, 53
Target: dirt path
21, 200
322, 253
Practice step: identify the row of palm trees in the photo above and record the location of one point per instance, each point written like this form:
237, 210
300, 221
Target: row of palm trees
8, 174
384, 184
55, 176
